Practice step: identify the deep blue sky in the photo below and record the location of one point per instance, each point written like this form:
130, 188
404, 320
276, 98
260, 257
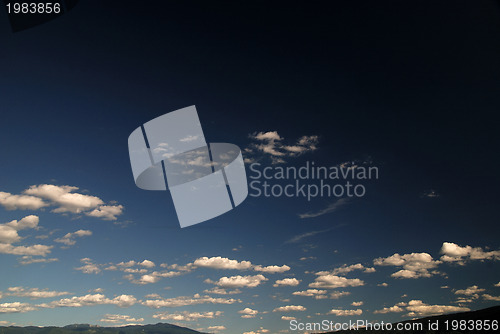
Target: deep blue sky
412, 89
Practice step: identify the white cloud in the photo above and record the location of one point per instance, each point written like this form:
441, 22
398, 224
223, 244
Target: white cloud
345, 269
16, 307
9, 235
419, 308
341, 313
147, 264
107, 212
64, 198
219, 291
287, 282
338, 294
216, 328
329, 209
187, 301
33, 250
120, 319
392, 309
222, 263
89, 267
248, 313
6, 323
492, 298
34, 293
187, 316
329, 281
455, 253
286, 318
91, 300
21, 202
272, 269
472, 291
360, 303
271, 144
290, 308
497, 285
384, 284
69, 238
415, 265
239, 281
315, 293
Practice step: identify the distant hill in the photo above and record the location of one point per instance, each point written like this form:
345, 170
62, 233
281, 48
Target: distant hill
492, 313
83, 329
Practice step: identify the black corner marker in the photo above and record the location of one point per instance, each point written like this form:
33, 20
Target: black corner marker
25, 14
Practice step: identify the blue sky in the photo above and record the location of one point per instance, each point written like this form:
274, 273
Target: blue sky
80, 243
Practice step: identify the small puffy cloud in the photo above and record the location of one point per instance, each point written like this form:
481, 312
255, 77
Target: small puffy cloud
497, 285
120, 319
33, 250
248, 313
360, 303
106, 212
392, 309
219, 291
338, 294
415, 265
329, 281
222, 263
34, 293
147, 264
345, 313
472, 291
384, 284
89, 267
419, 308
272, 269
239, 281
347, 269
315, 293
216, 328
16, 307
21, 202
458, 254
287, 282
187, 301
65, 198
272, 145
287, 318
290, 308
9, 235
69, 238
491, 298
187, 316
28, 222
91, 300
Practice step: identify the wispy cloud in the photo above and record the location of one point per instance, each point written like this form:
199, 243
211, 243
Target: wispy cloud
329, 209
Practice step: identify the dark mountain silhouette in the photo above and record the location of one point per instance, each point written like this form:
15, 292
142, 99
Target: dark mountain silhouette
159, 328
491, 314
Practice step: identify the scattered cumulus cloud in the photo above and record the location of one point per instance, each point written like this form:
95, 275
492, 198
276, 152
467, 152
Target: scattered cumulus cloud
271, 145
69, 238
290, 308
287, 282
64, 198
